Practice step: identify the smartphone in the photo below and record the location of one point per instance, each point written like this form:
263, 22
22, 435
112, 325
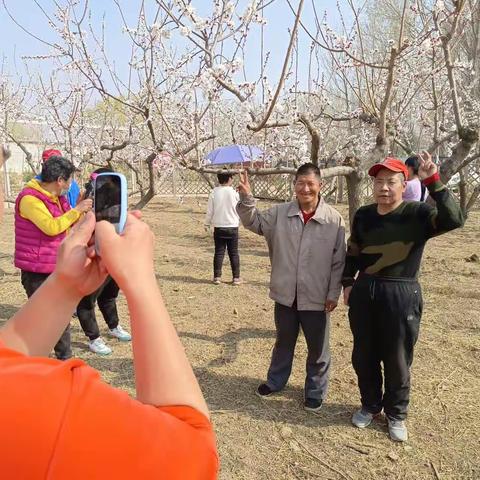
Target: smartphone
110, 199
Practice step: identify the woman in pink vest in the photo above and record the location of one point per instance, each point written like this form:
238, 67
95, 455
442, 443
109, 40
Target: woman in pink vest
42, 218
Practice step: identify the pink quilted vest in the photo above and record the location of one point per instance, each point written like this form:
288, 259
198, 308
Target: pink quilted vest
35, 251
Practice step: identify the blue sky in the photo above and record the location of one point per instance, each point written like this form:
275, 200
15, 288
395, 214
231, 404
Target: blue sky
17, 43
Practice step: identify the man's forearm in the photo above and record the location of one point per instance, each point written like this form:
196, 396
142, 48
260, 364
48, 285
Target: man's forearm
248, 213
349, 272
449, 214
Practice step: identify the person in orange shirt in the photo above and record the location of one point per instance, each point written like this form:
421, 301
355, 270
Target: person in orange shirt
58, 419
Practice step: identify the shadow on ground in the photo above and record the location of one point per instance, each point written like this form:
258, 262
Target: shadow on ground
227, 393
230, 342
183, 279
236, 394
253, 252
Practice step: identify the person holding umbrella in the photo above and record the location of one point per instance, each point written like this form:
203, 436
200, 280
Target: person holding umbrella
221, 214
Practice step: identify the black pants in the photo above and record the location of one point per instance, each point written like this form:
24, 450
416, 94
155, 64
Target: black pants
31, 282
226, 237
106, 296
315, 326
385, 320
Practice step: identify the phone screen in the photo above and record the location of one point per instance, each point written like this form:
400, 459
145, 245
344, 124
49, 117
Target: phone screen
107, 198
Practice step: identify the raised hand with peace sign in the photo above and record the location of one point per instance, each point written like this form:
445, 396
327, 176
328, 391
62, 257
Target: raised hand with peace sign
427, 167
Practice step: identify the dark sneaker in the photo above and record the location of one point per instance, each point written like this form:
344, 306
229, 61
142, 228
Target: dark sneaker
312, 404
264, 390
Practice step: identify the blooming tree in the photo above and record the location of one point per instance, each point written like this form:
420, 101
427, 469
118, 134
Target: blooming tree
388, 77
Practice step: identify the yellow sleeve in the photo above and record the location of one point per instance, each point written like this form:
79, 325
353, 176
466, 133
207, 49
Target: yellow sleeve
35, 210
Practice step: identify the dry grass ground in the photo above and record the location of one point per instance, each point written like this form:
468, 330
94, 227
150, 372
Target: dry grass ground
228, 335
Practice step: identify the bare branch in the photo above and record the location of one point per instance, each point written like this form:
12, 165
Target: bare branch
201, 140
315, 138
446, 39
325, 173
258, 127
28, 155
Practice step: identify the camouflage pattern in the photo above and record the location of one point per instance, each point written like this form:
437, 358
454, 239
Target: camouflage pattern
392, 245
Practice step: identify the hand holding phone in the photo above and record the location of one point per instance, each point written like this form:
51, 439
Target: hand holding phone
89, 192
84, 206
110, 200
129, 271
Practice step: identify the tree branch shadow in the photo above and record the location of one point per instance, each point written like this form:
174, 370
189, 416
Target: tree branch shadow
230, 342
228, 393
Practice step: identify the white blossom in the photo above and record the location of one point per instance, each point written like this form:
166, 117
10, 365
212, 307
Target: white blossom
185, 31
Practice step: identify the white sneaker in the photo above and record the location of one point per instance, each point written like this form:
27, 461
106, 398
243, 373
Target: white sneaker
363, 418
397, 430
99, 346
121, 334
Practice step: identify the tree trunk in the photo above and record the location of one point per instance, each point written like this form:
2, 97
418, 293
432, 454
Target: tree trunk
473, 199
207, 180
355, 194
341, 183
151, 182
468, 140
144, 200
462, 188
174, 182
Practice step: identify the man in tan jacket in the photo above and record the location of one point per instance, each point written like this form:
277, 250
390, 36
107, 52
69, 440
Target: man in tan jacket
306, 244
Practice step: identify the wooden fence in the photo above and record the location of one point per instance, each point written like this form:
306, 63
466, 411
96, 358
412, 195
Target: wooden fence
181, 182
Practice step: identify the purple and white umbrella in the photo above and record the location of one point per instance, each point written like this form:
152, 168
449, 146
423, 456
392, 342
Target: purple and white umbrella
234, 154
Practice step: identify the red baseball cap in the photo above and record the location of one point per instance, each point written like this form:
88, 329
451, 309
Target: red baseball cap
50, 153
390, 163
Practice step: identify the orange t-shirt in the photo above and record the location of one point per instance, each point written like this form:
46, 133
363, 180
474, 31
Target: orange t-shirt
59, 420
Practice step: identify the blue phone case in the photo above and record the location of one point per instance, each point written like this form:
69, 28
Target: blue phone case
123, 199
123, 204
